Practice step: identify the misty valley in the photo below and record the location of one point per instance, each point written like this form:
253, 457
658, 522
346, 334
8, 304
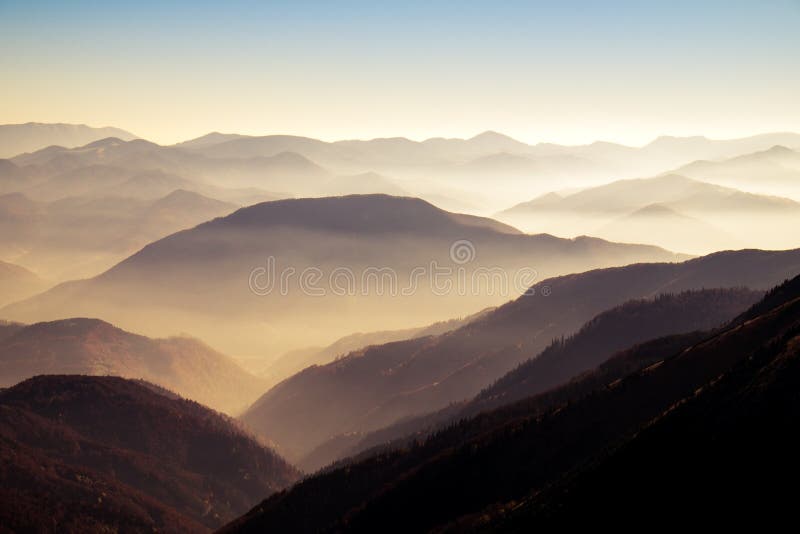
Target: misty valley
349, 313
360, 350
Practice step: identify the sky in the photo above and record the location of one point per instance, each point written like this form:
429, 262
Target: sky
568, 72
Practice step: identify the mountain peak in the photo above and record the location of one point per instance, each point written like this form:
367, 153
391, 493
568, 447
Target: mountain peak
552, 196
71, 329
361, 214
354, 213
211, 138
654, 209
291, 158
672, 178
547, 199
663, 138
184, 197
7, 165
180, 194
780, 149
105, 142
491, 135
142, 143
668, 141
16, 139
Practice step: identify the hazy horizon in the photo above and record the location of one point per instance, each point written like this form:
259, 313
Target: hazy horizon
570, 73
400, 135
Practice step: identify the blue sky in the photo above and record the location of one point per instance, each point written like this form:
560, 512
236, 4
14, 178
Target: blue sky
561, 71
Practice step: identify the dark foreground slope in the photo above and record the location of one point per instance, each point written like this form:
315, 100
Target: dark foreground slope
509, 453
381, 385
102, 454
633, 322
725, 455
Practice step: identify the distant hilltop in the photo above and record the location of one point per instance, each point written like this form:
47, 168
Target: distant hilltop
18, 138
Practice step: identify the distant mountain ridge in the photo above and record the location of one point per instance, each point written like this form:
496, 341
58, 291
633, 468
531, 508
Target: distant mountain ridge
297, 360
670, 227
673, 190
94, 347
281, 171
486, 143
29, 137
165, 285
17, 283
434, 169
80, 236
463, 166
774, 170
703, 217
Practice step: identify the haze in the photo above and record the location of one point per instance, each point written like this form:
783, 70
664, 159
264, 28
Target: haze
426, 266
567, 72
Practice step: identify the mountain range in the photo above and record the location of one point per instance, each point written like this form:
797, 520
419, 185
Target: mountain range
279, 172
381, 385
32, 136
452, 172
424, 368
297, 360
673, 190
662, 224
747, 412
363, 251
775, 170
565, 360
78, 237
94, 347
670, 210
655, 414
462, 167
401, 151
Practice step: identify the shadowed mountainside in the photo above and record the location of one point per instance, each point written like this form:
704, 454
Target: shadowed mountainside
96, 454
564, 359
376, 387
455, 477
724, 454
297, 360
